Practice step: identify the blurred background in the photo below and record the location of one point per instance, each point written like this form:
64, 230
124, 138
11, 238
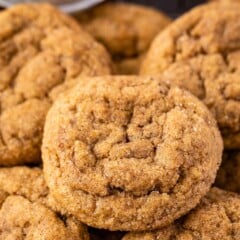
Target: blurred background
173, 8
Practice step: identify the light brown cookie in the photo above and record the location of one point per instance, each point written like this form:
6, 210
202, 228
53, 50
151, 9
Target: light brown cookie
129, 153
22, 219
126, 30
24, 181
228, 176
200, 52
216, 217
29, 184
40, 49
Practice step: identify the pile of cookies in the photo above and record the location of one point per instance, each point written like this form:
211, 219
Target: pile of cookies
114, 123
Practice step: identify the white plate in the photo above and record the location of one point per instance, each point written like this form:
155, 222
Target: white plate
68, 6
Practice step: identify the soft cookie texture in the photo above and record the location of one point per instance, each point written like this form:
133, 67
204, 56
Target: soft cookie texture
24, 181
200, 52
40, 49
126, 30
129, 153
216, 217
228, 176
22, 219
30, 209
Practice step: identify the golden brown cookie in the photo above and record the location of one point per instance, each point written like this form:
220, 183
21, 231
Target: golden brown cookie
22, 219
216, 217
126, 30
40, 48
29, 184
24, 181
228, 176
129, 153
200, 51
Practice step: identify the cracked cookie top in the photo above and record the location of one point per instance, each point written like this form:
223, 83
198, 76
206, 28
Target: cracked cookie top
40, 49
228, 176
129, 153
216, 217
200, 52
22, 219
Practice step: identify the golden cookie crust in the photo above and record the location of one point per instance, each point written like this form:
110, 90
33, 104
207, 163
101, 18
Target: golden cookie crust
40, 48
126, 36
109, 131
200, 52
216, 217
22, 219
228, 176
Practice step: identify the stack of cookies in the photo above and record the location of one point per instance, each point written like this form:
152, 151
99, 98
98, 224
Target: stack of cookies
114, 123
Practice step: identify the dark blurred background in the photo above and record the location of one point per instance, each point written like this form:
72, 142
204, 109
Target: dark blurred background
173, 8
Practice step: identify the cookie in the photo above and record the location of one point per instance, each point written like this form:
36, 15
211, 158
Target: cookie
200, 52
29, 185
22, 219
24, 181
126, 35
40, 49
109, 131
216, 217
228, 176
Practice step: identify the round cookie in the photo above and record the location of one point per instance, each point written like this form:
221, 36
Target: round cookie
200, 52
216, 217
228, 176
126, 30
40, 49
20, 219
109, 131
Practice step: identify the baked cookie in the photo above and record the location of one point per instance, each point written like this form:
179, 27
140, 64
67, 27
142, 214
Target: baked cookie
200, 51
22, 219
24, 181
216, 217
29, 184
109, 131
40, 48
126, 30
228, 176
